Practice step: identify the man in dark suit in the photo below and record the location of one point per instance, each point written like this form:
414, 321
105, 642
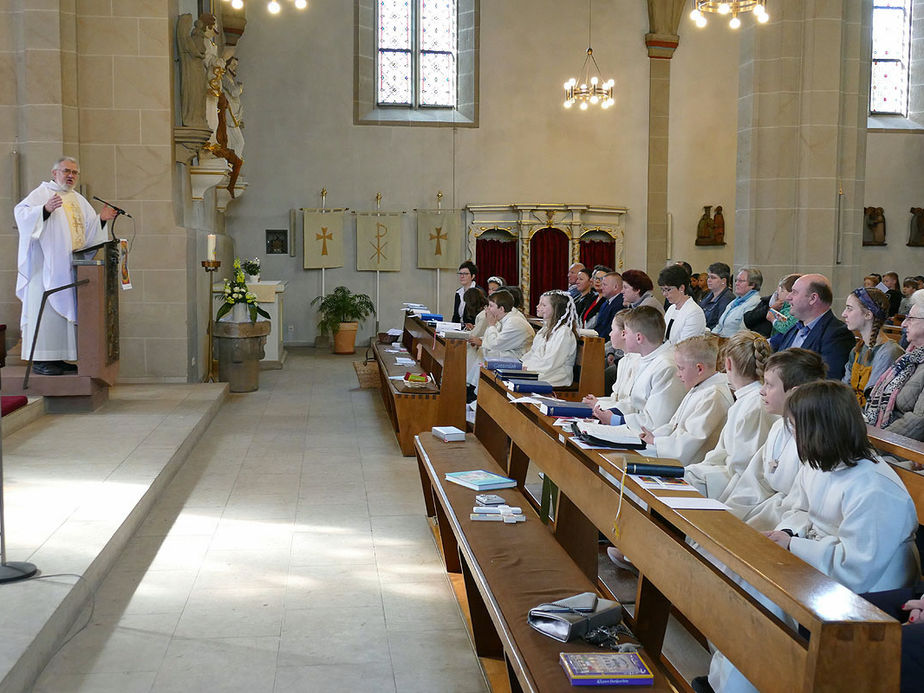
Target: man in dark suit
611, 290
817, 330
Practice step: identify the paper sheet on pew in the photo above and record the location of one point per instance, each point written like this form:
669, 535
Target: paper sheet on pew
394, 332
533, 400
663, 483
403, 361
692, 503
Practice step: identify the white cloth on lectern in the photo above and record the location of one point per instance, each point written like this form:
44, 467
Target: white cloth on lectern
44, 262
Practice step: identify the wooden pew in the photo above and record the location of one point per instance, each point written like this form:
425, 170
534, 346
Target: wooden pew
506, 570
851, 645
441, 403
905, 448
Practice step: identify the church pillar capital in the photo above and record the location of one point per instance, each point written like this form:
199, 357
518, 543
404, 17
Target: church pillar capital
661, 46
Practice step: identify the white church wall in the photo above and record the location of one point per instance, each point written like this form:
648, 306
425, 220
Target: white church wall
703, 138
298, 100
895, 182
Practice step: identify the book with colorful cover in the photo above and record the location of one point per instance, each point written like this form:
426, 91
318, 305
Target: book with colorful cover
606, 669
480, 480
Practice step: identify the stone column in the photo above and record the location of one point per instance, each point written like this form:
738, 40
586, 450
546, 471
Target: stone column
662, 39
802, 108
916, 76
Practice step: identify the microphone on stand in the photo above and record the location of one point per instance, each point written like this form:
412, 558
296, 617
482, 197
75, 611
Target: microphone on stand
118, 210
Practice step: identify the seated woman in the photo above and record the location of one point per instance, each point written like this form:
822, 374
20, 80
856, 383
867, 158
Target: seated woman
587, 318
587, 295
475, 303
748, 424
896, 401
684, 317
852, 518
779, 314
866, 311
555, 345
637, 290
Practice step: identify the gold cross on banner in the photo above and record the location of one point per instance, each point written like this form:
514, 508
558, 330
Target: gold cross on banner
380, 232
438, 237
324, 237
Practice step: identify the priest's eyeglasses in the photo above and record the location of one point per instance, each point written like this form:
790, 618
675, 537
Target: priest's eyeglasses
69, 171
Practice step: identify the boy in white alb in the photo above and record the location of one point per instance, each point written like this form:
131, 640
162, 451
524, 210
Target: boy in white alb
758, 494
508, 334
694, 428
655, 392
748, 423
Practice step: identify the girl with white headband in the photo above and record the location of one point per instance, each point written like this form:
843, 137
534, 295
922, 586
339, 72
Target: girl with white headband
555, 346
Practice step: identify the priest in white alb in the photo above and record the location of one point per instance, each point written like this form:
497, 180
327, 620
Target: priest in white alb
53, 221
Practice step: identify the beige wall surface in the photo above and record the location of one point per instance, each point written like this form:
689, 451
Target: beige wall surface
895, 182
703, 147
527, 148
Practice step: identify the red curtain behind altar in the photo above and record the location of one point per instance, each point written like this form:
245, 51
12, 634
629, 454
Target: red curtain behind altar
495, 257
598, 253
549, 258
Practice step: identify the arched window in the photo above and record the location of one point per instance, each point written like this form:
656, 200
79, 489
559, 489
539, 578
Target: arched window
888, 92
416, 42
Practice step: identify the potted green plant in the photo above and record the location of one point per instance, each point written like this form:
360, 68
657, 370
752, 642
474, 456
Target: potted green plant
251, 269
340, 312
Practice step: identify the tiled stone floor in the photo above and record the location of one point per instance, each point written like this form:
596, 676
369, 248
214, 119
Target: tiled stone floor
290, 553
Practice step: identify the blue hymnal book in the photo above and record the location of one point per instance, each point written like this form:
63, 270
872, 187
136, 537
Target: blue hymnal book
431, 316
497, 364
480, 480
571, 409
540, 386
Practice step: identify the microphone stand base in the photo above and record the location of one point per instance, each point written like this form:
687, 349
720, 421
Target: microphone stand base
16, 570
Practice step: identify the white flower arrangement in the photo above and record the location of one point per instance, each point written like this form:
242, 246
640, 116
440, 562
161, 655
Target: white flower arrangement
236, 292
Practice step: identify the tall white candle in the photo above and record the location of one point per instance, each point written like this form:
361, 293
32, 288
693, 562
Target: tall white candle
212, 250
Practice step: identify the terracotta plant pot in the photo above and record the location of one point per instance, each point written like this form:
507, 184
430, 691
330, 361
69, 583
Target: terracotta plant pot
345, 338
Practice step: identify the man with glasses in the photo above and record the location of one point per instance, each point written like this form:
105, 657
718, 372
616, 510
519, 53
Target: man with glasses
53, 221
467, 273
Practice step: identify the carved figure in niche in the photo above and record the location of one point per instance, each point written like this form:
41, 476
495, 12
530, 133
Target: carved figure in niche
916, 233
233, 88
214, 70
718, 226
220, 147
190, 41
874, 226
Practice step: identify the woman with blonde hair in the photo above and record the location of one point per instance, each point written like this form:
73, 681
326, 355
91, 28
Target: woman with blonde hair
745, 357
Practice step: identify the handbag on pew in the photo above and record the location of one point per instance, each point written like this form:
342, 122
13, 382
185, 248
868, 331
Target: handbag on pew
573, 617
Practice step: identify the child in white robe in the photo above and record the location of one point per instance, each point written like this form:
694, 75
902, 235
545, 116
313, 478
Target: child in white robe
695, 426
853, 519
745, 431
757, 495
508, 334
555, 346
655, 393
628, 364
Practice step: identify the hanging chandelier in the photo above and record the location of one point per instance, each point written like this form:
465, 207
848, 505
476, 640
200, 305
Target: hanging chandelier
728, 7
588, 87
272, 6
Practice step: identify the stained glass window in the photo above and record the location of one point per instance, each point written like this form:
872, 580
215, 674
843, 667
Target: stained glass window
891, 42
417, 53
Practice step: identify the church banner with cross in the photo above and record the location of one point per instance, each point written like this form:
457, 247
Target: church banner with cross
378, 241
323, 238
439, 238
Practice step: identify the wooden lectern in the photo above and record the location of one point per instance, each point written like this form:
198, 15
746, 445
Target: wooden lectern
97, 286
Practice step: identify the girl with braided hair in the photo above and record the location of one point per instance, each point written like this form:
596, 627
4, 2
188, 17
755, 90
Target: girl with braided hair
745, 357
555, 346
866, 311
